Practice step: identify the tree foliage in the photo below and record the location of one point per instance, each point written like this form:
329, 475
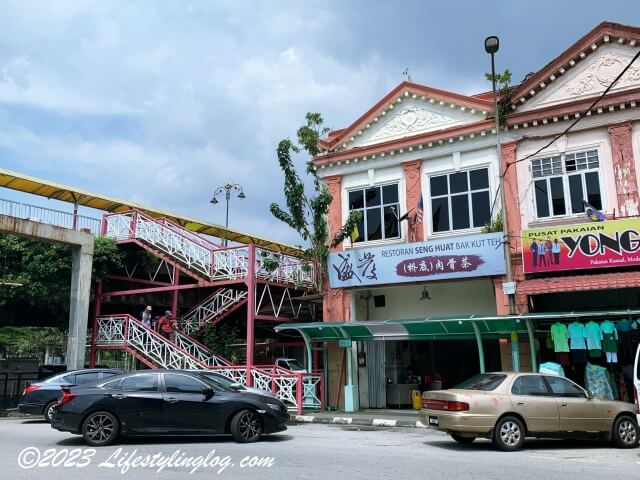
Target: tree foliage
42, 272
503, 87
219, 339
306, 213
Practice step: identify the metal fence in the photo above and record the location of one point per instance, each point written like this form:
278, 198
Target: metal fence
49, 216
12, 384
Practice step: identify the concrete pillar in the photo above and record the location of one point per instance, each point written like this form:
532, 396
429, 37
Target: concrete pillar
624, 170
82, 260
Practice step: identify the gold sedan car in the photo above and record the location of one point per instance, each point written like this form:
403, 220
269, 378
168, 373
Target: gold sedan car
507, 407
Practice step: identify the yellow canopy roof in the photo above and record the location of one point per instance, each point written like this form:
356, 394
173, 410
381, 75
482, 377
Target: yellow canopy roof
65, 193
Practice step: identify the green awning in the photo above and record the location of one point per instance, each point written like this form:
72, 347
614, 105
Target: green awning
441, 328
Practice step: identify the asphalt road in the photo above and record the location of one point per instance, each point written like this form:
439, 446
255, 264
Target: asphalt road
305, 452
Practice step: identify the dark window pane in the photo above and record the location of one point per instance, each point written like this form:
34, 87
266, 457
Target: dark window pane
356, 199
372, 196
83, 378
557, 196
529, 385
439, 186
374, 227
182, 384
458, 182
542, 202
481, 208
564, 388
109, 374
390, 194
576, 193
479, 179
391, 229
593, 189
141, 383
460, 211
440, 214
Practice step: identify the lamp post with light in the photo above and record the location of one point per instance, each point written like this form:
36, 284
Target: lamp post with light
491, 46
227, 188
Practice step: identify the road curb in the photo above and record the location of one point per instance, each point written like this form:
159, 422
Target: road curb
364, 422
14, 413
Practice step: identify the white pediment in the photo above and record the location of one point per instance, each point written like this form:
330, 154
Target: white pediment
589, 78
409, 118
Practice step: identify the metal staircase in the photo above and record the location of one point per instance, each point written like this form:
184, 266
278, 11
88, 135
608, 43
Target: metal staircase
213, 309
210, 261
124, 332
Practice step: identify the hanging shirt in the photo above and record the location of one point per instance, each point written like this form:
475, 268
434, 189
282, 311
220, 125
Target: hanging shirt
608, 327
624, 326
559, 337
578, 335
594, 336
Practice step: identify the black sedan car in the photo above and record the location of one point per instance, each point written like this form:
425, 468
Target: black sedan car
165, 402
40, 398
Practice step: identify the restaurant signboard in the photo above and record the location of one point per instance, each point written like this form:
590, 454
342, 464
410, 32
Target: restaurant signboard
453, 257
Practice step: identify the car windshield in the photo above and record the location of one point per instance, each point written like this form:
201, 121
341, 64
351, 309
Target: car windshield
221, 379
484, 381
295, 365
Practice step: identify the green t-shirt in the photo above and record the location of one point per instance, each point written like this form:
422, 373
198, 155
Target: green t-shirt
559, 337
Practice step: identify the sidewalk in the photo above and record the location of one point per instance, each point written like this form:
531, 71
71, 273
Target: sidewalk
375, 418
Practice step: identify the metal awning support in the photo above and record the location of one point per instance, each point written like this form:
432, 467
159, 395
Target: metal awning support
532, 343
480, 346
307, 345
350, 393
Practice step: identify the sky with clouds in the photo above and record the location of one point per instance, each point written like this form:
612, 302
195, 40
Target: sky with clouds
160, 102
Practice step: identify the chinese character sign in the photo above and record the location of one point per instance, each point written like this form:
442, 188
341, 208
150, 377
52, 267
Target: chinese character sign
609, 244
459, 257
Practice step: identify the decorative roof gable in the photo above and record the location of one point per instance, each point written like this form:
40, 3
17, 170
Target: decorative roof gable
410, 109
584, 70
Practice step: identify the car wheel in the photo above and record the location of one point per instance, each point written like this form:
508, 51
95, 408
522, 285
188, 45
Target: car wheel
625, 433
463, 440
509, 434
49, 410
246, 427
100, 429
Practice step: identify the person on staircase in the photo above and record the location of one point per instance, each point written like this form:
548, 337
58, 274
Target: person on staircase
167, 326
146, 317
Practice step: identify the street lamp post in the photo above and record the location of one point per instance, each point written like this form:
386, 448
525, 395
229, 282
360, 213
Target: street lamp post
227, 188
491, 46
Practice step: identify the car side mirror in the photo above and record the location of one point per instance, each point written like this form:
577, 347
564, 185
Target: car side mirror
235, 386
208, 392
590, 395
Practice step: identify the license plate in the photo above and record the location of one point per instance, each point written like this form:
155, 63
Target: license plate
433, 420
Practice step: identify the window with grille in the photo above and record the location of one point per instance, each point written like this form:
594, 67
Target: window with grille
460, 200
380, 209
561, 183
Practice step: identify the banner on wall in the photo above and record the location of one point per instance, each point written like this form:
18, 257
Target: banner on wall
609, 244
459, 257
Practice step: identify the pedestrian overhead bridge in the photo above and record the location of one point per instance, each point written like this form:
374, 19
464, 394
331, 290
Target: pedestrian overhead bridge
77, 196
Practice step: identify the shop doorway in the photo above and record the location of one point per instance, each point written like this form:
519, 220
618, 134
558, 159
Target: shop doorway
397, 368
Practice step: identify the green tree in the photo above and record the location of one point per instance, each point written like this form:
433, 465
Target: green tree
219, 339
41, 272
503, 87
306, 213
